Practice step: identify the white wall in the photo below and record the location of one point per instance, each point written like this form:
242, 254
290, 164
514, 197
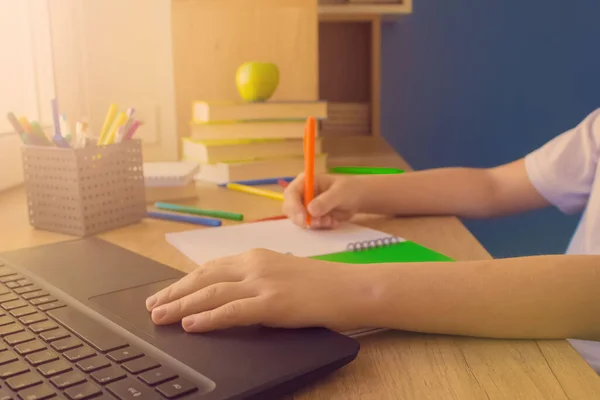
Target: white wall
26, 78
118, 51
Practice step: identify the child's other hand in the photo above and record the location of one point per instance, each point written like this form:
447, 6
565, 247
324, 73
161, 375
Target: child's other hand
336, 200
261, 287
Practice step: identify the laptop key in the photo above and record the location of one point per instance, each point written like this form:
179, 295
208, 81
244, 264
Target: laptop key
5, 320
20, 312
83, 391
42, 300
10, 278
67, 379
54, 368
25, 282
130, 389
7, 357
27, 289
33, 295
54, 334
79, 353
126, 354
42, 326
39, 392
177, 388
66, 344
51, 306
10, 329
5, 394
22, 381
140, 365
12, 285
93, 363
5, 271
8, 297
12, 369
33, 318
11, 305
19, 338
99, 337
29, 347
108, 375
41, 357
157, 376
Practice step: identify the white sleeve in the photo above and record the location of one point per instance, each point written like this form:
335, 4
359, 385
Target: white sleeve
563, 169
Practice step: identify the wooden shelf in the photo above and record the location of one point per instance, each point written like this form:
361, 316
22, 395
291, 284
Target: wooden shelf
359, 11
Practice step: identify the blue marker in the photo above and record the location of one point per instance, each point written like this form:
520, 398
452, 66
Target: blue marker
256, 182
58, 138
184, 218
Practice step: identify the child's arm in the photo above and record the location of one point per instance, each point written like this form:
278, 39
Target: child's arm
535, 297
532, 297
464, 192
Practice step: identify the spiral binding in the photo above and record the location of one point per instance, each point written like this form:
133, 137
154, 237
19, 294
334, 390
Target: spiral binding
370, 244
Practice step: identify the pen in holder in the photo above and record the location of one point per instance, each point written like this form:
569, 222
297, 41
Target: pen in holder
84, 191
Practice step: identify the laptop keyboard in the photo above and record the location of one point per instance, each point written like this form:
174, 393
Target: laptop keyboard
52, 351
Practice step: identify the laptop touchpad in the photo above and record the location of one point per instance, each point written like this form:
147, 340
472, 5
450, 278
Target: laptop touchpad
129, 305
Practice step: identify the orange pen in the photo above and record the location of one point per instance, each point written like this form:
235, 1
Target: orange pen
309, 164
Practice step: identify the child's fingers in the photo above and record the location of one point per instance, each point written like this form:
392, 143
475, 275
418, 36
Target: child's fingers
250, 311
293, 195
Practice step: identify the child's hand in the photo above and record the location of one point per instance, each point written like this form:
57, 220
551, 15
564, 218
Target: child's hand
265, 288
337, 199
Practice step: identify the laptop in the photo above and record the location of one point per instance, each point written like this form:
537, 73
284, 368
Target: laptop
74, 326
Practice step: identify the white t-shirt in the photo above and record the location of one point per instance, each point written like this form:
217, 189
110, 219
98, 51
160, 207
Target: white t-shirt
566, 171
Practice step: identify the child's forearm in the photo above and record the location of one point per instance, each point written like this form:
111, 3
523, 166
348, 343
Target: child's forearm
532, 297
464, 192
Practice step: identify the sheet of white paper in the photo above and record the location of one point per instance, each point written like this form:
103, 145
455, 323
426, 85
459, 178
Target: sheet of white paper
282, 236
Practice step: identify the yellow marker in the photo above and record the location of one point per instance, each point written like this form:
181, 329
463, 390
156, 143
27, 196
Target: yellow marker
252, 190
108, 122
119, 121
26, 125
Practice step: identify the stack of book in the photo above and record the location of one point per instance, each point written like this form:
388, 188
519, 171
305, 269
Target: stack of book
249, 141
346, 119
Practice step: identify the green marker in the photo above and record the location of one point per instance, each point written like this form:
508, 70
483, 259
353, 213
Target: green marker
39, 132
197, 211
365, 170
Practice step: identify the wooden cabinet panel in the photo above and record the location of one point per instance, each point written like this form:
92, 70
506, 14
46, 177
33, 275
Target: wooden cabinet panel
211, 38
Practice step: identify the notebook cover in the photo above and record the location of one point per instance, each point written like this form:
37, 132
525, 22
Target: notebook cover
406, 251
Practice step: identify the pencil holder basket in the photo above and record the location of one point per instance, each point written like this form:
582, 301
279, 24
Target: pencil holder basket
84, 191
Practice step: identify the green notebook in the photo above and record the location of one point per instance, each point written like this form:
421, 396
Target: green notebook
405, 251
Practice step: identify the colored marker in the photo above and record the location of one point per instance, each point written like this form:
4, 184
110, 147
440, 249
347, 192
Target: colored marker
112, 131
64, 127
39, 132
365, 170
275, 218
108, 121
134, 127
184, 218
197, 211
309, 164
57, 139
256, 191
267, 181
18, 128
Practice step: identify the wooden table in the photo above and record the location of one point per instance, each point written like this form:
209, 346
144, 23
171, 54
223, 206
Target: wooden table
391, 365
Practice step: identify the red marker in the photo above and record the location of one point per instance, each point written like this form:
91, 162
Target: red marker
275, 218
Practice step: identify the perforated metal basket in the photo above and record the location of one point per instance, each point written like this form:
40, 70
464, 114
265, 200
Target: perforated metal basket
84, 191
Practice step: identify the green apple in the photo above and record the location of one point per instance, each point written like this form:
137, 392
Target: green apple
257, 81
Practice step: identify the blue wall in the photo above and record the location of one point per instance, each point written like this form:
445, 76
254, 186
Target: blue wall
488, 82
